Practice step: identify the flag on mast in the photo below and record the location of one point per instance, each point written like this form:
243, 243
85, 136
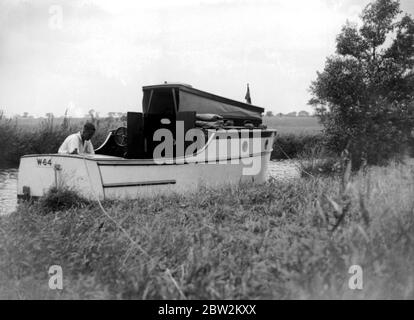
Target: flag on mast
247, 97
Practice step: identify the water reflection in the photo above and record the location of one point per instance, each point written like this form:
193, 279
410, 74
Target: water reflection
8, 190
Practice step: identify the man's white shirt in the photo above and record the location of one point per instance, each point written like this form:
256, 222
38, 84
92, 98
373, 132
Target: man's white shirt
74, 141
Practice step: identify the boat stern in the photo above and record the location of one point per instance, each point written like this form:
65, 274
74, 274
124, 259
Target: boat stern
39, 173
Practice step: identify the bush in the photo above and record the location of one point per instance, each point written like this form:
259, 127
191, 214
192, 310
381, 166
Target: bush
289, 146
62, 198
376, 138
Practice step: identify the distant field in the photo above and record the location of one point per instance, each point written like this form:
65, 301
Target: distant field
306, 125
297, 125
32, 123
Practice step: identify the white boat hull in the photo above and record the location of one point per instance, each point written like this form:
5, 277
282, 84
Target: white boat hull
107, 177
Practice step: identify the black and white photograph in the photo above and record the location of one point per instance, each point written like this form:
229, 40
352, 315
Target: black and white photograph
220, 152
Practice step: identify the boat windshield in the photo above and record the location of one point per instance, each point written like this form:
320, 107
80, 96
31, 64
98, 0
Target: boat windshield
160, 101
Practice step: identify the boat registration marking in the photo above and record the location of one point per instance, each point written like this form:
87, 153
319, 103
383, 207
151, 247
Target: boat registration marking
44, 162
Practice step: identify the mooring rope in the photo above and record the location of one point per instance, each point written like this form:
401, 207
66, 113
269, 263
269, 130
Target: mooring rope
300, 167
107, 214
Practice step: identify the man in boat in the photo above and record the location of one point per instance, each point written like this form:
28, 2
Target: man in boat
79, 143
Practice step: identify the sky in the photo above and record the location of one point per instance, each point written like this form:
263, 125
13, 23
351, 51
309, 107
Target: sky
97, 54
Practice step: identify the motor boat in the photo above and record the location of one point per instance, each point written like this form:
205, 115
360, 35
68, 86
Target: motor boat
183, 139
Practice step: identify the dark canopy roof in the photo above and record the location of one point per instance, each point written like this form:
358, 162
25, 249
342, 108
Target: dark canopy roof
183, 97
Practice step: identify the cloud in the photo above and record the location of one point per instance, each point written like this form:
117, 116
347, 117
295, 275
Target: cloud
106, 50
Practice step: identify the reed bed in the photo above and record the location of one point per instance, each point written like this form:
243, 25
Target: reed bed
45, 136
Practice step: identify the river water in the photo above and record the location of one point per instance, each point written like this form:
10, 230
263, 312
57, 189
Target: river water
8, 190
284, 170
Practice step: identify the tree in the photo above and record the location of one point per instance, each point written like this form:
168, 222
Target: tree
364, 96
65, 122
303, 113
91, 113
291, 114
269, 114
123, 116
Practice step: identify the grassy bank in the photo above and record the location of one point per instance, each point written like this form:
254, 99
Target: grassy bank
275, 241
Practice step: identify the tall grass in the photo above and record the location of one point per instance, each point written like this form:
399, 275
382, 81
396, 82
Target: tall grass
44, 137
292, 240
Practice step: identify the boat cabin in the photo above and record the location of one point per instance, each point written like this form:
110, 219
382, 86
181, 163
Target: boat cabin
167, 103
